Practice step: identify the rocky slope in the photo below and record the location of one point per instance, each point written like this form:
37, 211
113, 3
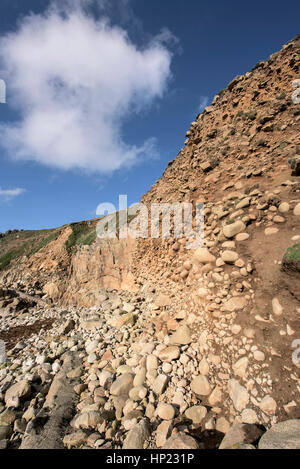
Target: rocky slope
145, 343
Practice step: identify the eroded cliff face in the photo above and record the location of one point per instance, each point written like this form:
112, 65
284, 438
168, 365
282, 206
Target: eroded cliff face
248, 132
106, 264
75, 277
241, 143
44, 271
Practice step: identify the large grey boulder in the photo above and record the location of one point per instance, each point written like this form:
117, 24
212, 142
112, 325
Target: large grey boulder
46, 431
283, 435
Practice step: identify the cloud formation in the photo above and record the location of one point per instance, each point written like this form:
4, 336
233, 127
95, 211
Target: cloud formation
11, 193
203, 103
74, 80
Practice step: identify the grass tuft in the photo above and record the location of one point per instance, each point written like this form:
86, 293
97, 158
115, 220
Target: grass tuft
26, 248
293, 253
83, 234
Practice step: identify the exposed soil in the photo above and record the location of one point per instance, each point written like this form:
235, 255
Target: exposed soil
16, 334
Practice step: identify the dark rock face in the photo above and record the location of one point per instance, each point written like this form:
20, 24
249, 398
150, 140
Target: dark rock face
291, 265
241, 433
295, 165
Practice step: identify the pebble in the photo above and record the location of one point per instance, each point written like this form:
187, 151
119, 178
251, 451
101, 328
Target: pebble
201, 386
165, 411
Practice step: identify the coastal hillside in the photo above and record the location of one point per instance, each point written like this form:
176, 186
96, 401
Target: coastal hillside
145, 343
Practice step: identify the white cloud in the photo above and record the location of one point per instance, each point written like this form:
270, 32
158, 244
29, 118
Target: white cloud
74, 80
10, 193
203, 103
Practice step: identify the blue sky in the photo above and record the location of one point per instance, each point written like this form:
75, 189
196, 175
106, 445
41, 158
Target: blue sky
119, 95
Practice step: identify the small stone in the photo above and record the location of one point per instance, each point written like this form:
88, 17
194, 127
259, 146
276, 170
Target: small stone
137, 393
228, 245
204, 367
160, 384
235, 304
129, 308
242, 237
238, 395
233, 229
204, 256
105, 378
29, 414
277, 308
236, 329
249, 333
201, 386
163, 432
290, 408
151, 362
297, 210
167, 368
249, 416
271, 231
268, 405
92, 358
122, 385
196, 414
124, 320
150, 410
92, 346
259, 356
129, 424
240, 367
284, 207
162, 301
67, 327
216, 397
169, 353
229, 257
94, 440
203, 292
181, 337
121, 370
165, 411
140, 377
243, 203
222, 425
87, 420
